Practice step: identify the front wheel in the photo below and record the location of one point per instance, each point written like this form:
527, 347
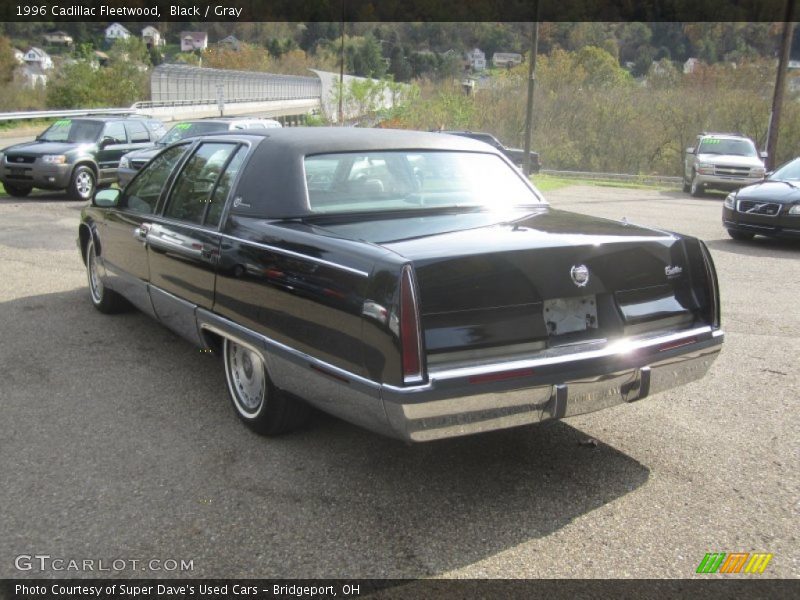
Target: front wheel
264, 408
696, 188
82, 184
741, 236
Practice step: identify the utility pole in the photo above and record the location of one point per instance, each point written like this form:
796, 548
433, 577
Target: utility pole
341, 74
780, 84
526, 163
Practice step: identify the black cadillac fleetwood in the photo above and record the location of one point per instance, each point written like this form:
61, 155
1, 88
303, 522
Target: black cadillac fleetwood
412, 283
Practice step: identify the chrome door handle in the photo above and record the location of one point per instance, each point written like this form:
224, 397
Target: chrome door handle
140, 233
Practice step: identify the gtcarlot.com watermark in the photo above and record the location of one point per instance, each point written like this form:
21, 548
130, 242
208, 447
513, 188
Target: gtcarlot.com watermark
47, 563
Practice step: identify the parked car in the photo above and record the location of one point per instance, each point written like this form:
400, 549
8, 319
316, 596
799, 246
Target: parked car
770, 208
515, 155
722, 161
133, 161
413, 283
76, 154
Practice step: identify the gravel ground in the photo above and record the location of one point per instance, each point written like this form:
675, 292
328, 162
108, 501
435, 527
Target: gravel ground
117, 442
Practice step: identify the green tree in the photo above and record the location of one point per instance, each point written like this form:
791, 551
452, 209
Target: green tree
7, 61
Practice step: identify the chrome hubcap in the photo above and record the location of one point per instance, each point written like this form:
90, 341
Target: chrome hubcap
246, 378
95, 284
83, 183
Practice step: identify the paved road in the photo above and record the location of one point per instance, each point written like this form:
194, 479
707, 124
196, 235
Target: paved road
117, 442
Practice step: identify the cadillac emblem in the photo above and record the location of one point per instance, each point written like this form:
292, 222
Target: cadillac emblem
580, 275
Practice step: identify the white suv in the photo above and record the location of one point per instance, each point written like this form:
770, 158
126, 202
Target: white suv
723, 161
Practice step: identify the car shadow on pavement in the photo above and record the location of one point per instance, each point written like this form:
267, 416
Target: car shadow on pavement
759, 246
41, 197
120, 439
712, 195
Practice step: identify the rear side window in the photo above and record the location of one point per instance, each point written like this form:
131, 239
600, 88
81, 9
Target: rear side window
223, 189
116, 132
137, 132
197, 181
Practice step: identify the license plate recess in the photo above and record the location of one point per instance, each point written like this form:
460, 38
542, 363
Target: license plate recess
568, 315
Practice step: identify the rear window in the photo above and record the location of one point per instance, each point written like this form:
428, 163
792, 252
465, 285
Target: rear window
412, 180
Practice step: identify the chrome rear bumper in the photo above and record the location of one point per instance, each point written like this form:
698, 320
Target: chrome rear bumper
426, 415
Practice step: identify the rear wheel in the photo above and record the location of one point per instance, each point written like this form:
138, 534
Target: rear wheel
82, 184
105, 300
263, 407
741, 236
18, 191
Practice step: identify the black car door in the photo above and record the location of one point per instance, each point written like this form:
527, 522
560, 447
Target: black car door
184, 242
124, 230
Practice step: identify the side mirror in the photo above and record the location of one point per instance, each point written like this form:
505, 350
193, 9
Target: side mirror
107, 198
690, 151
763, 154
107, 141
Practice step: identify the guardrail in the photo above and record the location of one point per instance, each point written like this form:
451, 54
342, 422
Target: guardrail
53, 114
144, 104
137, 106
646, 179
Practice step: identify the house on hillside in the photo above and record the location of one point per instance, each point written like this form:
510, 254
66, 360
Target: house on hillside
37, 56
506, 59
476, 59
58, 38
193, 40
230, 42
115, 31
152, 37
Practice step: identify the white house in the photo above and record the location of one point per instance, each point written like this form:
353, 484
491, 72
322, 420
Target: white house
37, 56
506, 59
115, 31
152, 37
476, 59
58, 38
193, 40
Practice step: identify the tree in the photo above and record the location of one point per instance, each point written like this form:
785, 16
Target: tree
7, 61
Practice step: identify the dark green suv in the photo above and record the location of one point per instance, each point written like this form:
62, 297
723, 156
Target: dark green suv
76, 155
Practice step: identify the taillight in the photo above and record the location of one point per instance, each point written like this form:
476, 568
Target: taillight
410, 336
713, 284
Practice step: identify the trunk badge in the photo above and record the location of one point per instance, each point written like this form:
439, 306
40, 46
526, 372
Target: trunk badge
672, 272
580, 275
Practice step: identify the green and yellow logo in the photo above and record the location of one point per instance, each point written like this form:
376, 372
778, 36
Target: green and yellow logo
735, 562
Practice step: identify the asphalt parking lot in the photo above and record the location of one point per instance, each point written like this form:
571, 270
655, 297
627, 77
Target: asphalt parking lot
118, 443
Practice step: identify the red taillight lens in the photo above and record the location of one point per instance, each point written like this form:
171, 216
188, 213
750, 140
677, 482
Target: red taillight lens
410, 341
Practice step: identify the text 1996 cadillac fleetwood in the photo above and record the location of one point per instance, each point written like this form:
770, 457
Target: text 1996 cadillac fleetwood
413, 283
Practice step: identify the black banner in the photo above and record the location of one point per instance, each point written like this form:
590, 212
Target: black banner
148, 11
385, 589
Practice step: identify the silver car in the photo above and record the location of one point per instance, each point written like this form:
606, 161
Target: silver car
722, 161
